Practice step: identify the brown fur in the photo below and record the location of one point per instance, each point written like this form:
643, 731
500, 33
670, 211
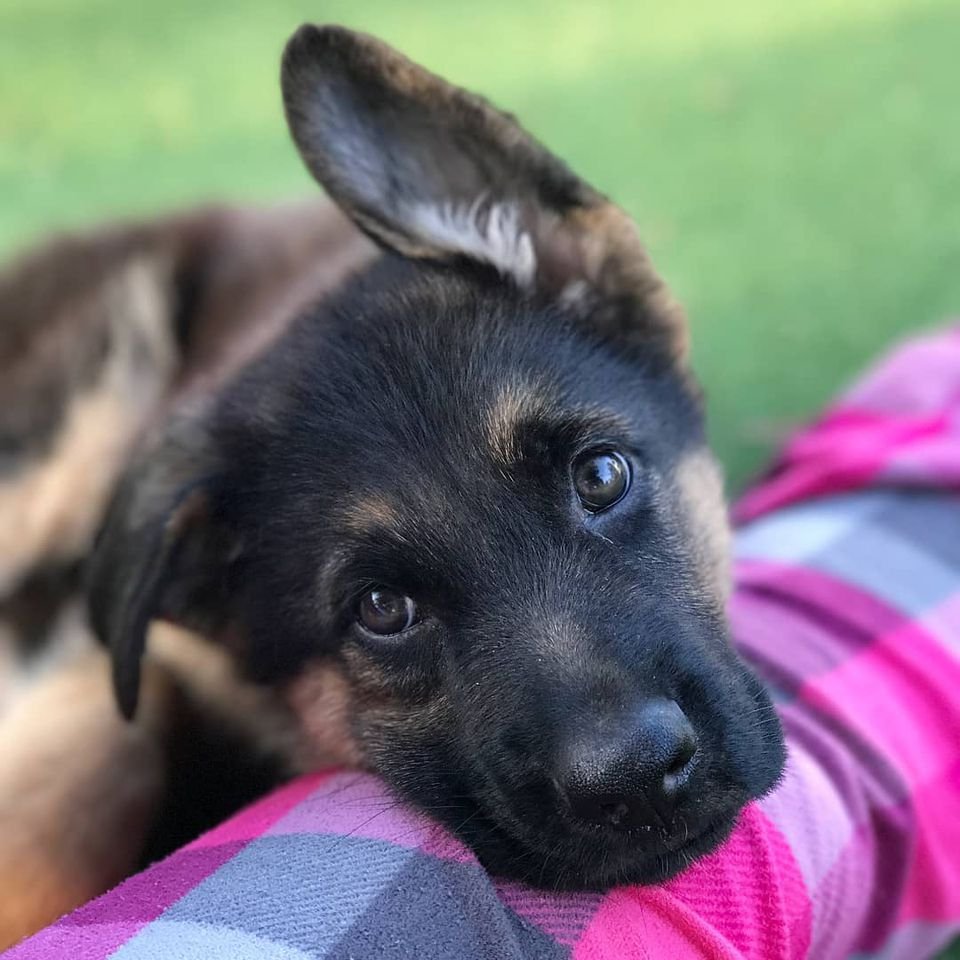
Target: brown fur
235, 277
369, 514
321, 698
510, 409
50, 509
263, 267
52, 502
700, 482
78, 790
618, 268
99, 331
63, 308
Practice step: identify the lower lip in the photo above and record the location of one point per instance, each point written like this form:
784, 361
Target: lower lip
658, 865
708, 835
703, 839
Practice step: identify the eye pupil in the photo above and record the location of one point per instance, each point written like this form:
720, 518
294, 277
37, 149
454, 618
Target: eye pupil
600, 479
384, 611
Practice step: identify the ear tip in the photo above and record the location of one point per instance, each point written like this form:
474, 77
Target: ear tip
126, 692
309, 50
322, 68
317, 42
305, 35
300, 46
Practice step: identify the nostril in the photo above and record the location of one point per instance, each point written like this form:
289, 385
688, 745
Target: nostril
682, 757
614, 812
680, 766
676, 768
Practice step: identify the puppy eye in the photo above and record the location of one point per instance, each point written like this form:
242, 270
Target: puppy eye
601, 479
384, 612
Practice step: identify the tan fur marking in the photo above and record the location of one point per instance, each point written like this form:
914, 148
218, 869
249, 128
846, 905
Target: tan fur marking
50, 510
78, 787
379, 716
321, 698
515, 403
369, 514
616, 264
211, 674
700, 483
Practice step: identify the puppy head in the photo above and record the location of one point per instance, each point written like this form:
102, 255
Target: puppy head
473, 487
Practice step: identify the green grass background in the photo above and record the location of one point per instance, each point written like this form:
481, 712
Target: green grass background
795, 167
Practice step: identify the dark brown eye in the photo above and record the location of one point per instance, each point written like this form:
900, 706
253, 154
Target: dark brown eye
384, 611
600, 479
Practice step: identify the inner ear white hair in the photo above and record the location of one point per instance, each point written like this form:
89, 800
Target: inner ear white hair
486, 230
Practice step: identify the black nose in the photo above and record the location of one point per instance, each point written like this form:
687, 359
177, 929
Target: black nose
631, 776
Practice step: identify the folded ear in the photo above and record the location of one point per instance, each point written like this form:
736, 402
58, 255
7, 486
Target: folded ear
433, 171
164, 552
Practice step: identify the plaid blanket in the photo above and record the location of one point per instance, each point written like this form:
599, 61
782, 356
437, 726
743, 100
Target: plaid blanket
848, 603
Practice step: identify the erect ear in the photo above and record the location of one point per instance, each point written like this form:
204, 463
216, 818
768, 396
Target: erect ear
433, 171
164, 552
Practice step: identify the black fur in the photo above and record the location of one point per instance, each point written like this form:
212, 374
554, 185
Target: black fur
387, 396
417, 431
383, 393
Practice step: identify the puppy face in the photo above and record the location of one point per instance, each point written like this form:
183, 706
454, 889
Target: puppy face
524, 658
472, 487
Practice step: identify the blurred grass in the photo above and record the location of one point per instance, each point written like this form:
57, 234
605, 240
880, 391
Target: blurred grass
795, 168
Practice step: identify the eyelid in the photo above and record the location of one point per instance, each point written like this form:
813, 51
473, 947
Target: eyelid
342, 598
607, 444
357, 593
626, 451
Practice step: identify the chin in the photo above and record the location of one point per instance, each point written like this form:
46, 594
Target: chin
592, 860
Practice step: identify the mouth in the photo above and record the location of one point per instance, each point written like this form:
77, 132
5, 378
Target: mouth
567, 857
641, 856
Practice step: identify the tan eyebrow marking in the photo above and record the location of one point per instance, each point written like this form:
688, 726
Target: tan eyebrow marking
513, 405
518, 405
369, 514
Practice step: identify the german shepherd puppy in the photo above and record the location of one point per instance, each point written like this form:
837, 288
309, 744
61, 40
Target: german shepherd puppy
443, 498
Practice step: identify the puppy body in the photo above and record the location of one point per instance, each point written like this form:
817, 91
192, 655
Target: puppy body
291, 425
103, 333
78, 792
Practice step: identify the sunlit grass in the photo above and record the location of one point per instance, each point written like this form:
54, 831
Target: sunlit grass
795, 167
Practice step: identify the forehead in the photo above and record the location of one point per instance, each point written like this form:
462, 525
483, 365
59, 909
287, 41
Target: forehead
423, 396
450, 369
